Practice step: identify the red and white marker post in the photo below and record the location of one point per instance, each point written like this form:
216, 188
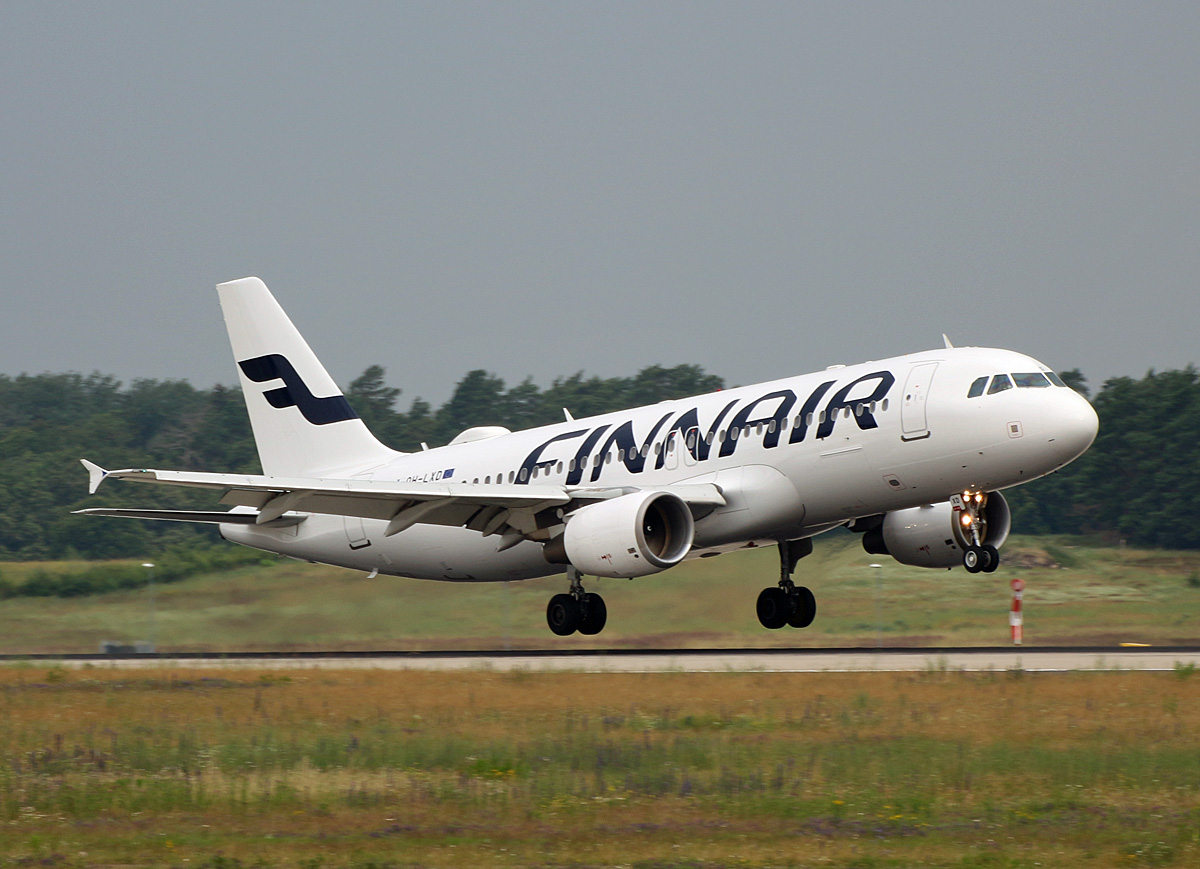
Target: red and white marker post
1014, 617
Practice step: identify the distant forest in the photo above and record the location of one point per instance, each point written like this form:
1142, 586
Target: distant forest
1140, 482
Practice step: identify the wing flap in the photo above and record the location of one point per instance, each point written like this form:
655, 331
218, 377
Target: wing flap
695, 494
212, 516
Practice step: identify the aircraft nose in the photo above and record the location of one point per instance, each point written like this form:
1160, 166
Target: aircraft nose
1071, 424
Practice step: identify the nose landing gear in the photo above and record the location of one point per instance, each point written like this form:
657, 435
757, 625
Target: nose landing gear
977, 556
787, 604
577, 610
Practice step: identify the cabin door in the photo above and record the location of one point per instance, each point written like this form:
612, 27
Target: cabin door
914, 424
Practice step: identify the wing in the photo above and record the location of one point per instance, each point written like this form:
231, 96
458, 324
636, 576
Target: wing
487, 508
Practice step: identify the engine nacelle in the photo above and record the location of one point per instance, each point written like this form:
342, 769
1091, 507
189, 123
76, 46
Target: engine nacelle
932, 536
632, 535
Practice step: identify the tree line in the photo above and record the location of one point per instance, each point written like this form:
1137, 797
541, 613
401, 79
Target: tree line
49, 421
1137, 483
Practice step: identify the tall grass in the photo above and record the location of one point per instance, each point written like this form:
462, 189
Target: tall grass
642, 762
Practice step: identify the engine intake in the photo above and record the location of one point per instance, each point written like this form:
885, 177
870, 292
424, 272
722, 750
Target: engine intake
931, 535
631, 535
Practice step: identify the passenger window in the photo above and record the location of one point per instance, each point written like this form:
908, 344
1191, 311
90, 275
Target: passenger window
977, 387
999, 383
1032, 380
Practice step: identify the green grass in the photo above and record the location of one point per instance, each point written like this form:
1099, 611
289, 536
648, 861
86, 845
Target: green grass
1076, 593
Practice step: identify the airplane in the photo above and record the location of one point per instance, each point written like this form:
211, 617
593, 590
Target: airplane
912, 452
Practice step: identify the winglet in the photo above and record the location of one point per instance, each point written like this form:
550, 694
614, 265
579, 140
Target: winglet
96, 475
949, 346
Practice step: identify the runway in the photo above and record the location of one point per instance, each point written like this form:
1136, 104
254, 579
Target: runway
1032, 659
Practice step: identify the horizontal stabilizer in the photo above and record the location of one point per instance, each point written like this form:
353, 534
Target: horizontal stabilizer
219, 517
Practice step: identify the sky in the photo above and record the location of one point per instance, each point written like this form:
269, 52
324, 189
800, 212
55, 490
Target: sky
536, 189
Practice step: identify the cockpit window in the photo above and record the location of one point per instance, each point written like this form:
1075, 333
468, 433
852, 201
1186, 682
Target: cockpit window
1054, 378
999, 383
976, 389
1032, 380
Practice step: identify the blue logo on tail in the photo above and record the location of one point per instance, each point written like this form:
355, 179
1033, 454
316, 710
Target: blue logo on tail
295, 392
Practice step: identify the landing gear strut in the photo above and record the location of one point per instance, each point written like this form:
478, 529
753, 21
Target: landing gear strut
787, 604
577, 610
977, 556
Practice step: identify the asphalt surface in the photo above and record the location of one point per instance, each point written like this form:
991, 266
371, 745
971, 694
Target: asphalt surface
1030, 659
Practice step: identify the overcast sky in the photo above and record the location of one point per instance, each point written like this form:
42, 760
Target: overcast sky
762, 189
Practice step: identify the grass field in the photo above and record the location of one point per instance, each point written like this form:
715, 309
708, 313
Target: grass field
1075, 594
226, 769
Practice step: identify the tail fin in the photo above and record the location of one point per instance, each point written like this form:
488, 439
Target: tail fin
303, 425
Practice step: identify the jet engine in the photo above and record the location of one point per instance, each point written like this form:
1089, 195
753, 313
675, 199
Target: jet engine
631, 535
934, 535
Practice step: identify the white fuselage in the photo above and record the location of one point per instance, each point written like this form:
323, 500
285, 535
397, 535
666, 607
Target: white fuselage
792, 457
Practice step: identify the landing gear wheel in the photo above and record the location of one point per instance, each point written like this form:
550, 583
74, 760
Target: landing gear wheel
975, 559
775, 607
595, 614
993, 556
806, 608
563, 615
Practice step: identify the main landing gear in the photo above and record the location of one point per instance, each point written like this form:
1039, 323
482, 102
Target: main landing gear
577, 610
978, 557
786, 604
